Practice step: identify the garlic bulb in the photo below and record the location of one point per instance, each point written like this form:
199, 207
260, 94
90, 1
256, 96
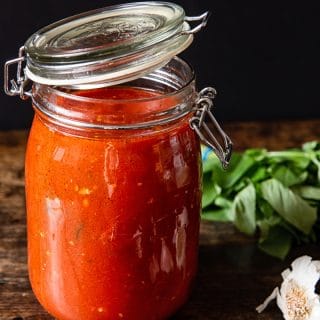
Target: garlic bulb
296, 297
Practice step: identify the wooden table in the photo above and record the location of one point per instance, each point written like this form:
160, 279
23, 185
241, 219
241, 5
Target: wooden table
233, 278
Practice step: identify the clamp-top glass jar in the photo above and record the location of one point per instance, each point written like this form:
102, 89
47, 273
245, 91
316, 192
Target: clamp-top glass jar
113, 166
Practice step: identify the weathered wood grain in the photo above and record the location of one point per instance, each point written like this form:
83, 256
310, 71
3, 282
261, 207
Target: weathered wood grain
233, 275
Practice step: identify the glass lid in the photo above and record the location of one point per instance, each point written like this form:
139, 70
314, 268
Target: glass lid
109, 45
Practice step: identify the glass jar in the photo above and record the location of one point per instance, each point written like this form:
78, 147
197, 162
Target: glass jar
113, 215
113, 167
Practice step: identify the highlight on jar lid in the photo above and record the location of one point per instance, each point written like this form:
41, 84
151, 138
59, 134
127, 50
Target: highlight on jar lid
109, 46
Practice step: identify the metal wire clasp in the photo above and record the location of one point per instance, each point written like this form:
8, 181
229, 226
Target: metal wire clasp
18, 86
203, 18
200, 123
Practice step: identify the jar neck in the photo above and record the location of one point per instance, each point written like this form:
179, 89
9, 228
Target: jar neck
159, 98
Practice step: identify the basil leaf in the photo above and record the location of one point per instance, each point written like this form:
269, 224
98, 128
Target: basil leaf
287, 177
239, 165
310, 146
210, 164
244, 210
298, 158
257, 154
242, 183
289, 206
210, 191
261, 173
266, 224
265, 208
308, 192
278, 243
223, 202
316, 162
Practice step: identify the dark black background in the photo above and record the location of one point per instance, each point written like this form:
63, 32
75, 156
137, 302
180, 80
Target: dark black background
262, 56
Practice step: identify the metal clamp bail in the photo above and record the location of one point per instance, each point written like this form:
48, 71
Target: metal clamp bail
199, 124
203, 18
18, 86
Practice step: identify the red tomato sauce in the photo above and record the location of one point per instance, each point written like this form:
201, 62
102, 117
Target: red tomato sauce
113, 222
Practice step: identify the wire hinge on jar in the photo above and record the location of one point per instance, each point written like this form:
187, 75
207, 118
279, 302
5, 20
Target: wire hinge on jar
19, 85
205, 130
203, 18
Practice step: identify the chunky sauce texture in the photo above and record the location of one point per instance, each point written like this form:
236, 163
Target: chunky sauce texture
113, 222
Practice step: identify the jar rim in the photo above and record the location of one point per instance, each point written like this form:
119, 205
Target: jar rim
174, 85
63, 90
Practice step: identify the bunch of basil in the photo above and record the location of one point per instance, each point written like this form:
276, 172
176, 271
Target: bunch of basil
275, 195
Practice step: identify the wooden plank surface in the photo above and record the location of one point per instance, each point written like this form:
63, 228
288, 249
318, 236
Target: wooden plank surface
233, 278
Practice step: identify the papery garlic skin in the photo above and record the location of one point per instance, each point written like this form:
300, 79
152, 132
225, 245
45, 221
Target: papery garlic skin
297, 298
